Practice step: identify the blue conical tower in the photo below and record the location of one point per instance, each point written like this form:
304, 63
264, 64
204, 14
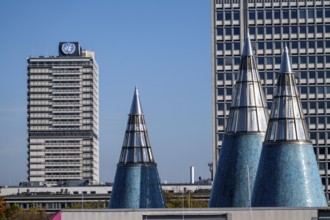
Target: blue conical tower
137, 183
288, 175
242, 141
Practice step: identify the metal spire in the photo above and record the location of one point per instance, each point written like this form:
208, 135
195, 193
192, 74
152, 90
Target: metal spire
247, 49
285, 62
287, 122
136, 146
248, 112
136, 108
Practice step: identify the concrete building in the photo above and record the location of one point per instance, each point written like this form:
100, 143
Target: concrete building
63, 115
242, 141
137, 183
305, 26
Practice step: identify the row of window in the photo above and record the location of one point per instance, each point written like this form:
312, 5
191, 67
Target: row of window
285, 30
321, 59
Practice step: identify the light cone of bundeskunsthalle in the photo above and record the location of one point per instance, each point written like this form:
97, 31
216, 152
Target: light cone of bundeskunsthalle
242, 140
288, 175
137, 183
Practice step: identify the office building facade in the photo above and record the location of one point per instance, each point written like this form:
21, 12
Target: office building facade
63, 111
305, 26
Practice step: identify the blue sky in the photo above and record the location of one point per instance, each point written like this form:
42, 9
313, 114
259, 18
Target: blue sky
163, 47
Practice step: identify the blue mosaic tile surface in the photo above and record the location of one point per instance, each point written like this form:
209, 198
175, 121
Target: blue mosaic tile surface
288, 176
236, 170
136, 186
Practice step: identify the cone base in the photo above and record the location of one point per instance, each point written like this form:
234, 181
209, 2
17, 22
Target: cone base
288, 176
236, 170
136, 186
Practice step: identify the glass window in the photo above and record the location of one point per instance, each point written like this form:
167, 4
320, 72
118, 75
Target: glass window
219, 15
303, 44
236, 46
302, 13
320, 104
327, 13
311, 59
277, 30
220, 61
228, 46
260, 30
268, 30
319, 29
320, 90
319, 13
311, 44
294, 14
228, 31
236, 31
220, 76
320, 74
251, 15
277, 14
286, 30
319, 44
269, 60
237, 60
278, 45
303, 59
294, 44
304, 91
236, 15
327, 60
302, 29
220, 46
277, 60
320, 59
219, 31
294, 30
252, 30
294, 59
221, 91
327, 44
285, 13
228, 15
312, 76
269, 45
327, 28
261, 45
310, 13
268, 14
311, 29
261, 60
260, 14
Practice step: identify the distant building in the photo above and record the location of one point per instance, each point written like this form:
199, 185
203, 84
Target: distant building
305, 26
63, 116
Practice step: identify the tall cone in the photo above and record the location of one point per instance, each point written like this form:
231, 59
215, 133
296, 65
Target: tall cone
288, 175
242, 141
137, 183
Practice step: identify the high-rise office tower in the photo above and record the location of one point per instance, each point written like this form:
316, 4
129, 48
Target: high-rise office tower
136, 184
287, 175
305, 26
63, 111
